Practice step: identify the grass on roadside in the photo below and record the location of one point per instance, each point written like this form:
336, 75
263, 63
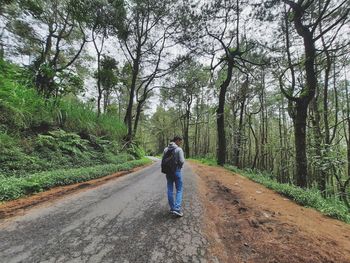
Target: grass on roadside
306, 197
13, 188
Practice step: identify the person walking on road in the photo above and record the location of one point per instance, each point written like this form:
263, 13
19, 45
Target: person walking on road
172, 162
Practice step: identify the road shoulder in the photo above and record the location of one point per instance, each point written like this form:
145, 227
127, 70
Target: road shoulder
247, 222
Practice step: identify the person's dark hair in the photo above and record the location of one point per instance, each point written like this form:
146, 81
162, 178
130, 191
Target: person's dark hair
176, 138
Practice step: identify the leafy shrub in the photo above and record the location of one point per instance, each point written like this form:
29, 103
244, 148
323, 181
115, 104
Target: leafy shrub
118, 159
38, 134
102, 144
13, 159
22, 108
55, 150
74, 115
136, 151
69, 143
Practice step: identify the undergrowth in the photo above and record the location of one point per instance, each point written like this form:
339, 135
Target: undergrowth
24, 111
13, 188
38, 134
54, 150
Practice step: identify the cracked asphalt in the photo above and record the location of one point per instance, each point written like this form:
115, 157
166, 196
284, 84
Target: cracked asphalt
124, 220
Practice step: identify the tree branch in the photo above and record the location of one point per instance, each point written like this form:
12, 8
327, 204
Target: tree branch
343, 17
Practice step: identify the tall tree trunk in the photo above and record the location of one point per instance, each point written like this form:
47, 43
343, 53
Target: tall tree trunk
300, 143
280, 169
189, 99
129, 109
186, 134
138, 115
98, 52
196, 137
237, 147
256, 143
2, 51
106, 99
347, 126
99, 89
207, 141
320, 174
119, 108
42, 80
220, 121
196, 128
263, 151
307, 93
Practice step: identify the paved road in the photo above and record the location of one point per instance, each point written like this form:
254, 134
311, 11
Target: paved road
126, 220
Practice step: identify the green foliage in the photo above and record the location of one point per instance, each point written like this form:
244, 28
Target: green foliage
13, 159
330, 160
52, 62
70, 84
109, 73
54, 150
136, 151
74, 115
103, 16
13, 188
22, 109
232, 49
41, 135
69, 143
20, 106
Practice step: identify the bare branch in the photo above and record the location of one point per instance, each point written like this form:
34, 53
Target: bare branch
343, 17
77, 54
285, 93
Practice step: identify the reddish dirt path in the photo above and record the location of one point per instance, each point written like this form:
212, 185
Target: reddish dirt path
250, 223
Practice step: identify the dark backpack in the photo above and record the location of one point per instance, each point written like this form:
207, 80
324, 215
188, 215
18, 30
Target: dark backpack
169, 162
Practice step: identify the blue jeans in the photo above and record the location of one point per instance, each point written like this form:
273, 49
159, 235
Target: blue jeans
177, 179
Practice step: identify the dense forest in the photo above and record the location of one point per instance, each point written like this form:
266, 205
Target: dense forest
261, 85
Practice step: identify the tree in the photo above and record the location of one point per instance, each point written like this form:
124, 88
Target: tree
3, 16
233, 57
308, 32
105, 19
54, 48
108, 76
152, 31
189, 78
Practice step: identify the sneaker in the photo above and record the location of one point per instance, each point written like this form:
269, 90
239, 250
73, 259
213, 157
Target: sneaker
178, 213
171, 211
